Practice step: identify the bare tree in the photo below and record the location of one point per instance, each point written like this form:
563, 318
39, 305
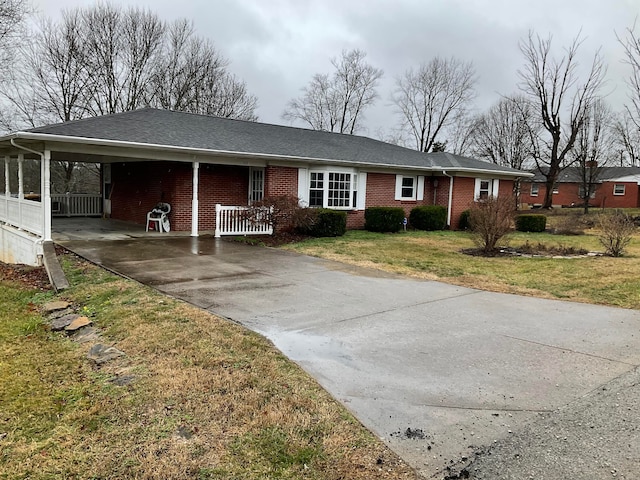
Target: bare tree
121, 49
627, 137
554, 88
192, 76
593, 149
335, 103
104, 59
430, 99
631, 45
501, 135
12, 15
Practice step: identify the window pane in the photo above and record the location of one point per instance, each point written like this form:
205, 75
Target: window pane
407, 190
339, 192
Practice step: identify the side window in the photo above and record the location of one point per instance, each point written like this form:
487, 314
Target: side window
406, 187
485, 188
534, 189
619, 189
316, 189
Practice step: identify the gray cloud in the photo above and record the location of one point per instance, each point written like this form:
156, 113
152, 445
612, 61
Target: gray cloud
277, 45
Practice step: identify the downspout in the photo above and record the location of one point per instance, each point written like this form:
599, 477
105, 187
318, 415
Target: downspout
444, 172
45, 158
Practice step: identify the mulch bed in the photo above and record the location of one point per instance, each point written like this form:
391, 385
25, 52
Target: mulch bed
30, 277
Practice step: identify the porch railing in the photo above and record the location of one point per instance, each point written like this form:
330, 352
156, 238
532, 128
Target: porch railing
76, 205
238, 221
21, 213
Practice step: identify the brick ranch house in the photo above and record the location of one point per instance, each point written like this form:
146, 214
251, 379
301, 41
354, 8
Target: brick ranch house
194, 162
615, 187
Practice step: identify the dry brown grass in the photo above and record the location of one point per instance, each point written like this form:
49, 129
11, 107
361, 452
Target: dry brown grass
438, 256
211, 399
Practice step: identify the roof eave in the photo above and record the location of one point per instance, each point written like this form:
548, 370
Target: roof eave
46, 137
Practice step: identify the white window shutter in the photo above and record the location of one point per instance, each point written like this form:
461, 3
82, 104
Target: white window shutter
420, 188
496, 187
398, 187
476, 189
303, 186
362, 190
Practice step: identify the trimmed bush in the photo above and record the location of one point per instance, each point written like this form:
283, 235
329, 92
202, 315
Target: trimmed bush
328, 223
383, 219
531, 223
463, 223
428, 217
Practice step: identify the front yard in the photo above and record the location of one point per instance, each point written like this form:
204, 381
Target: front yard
437, 256
204, 397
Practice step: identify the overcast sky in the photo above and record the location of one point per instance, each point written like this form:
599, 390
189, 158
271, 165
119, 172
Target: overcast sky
277, 45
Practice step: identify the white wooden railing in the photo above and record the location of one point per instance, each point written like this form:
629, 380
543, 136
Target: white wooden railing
237, 221
21, 213
76, 205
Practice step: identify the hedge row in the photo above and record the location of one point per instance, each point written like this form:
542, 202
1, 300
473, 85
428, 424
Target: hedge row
383, 219
326, 223
428, 217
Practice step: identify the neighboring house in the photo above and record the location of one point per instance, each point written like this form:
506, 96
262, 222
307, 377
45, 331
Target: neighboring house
194, 162
615, 187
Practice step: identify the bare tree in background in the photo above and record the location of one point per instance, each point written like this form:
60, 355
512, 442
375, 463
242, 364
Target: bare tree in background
192, 76
12, 16
121, 51
594, 149
105, 59
631, 45
554, 88
627, 137
501, 135
336, 103
433, 97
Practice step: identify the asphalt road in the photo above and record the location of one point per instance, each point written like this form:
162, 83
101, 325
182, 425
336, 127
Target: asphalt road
453, 379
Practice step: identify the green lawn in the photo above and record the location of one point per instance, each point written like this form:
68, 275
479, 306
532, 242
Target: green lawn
438, 256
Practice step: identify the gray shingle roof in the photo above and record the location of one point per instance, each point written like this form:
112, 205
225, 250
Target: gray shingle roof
164, 127
573, 175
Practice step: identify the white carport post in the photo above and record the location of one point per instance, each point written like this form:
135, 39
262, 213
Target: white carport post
7, 185
194, 200
21, 177
45, 188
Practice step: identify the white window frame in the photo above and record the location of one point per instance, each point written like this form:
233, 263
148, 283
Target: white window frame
615, 188
348, 195
417, 189
556, 190
492, 190
535, 189
256, 184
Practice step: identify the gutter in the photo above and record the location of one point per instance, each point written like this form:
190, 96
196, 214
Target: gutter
444, 172
45, 137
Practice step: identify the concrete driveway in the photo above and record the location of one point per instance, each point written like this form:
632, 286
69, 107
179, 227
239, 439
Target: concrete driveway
435, 370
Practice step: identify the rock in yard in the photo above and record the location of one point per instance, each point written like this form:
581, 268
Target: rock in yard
54, 306
100, 353
78, 323
63, 322
87, 334
60, 313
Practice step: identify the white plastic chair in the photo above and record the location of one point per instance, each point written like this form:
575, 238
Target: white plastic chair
160, 217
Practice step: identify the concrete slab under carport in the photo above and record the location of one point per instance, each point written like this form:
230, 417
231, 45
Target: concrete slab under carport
461, 366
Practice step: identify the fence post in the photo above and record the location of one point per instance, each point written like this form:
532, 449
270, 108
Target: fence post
217, 232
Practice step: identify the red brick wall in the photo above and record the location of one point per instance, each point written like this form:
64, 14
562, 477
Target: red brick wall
568, 195
138, 186
280, 181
